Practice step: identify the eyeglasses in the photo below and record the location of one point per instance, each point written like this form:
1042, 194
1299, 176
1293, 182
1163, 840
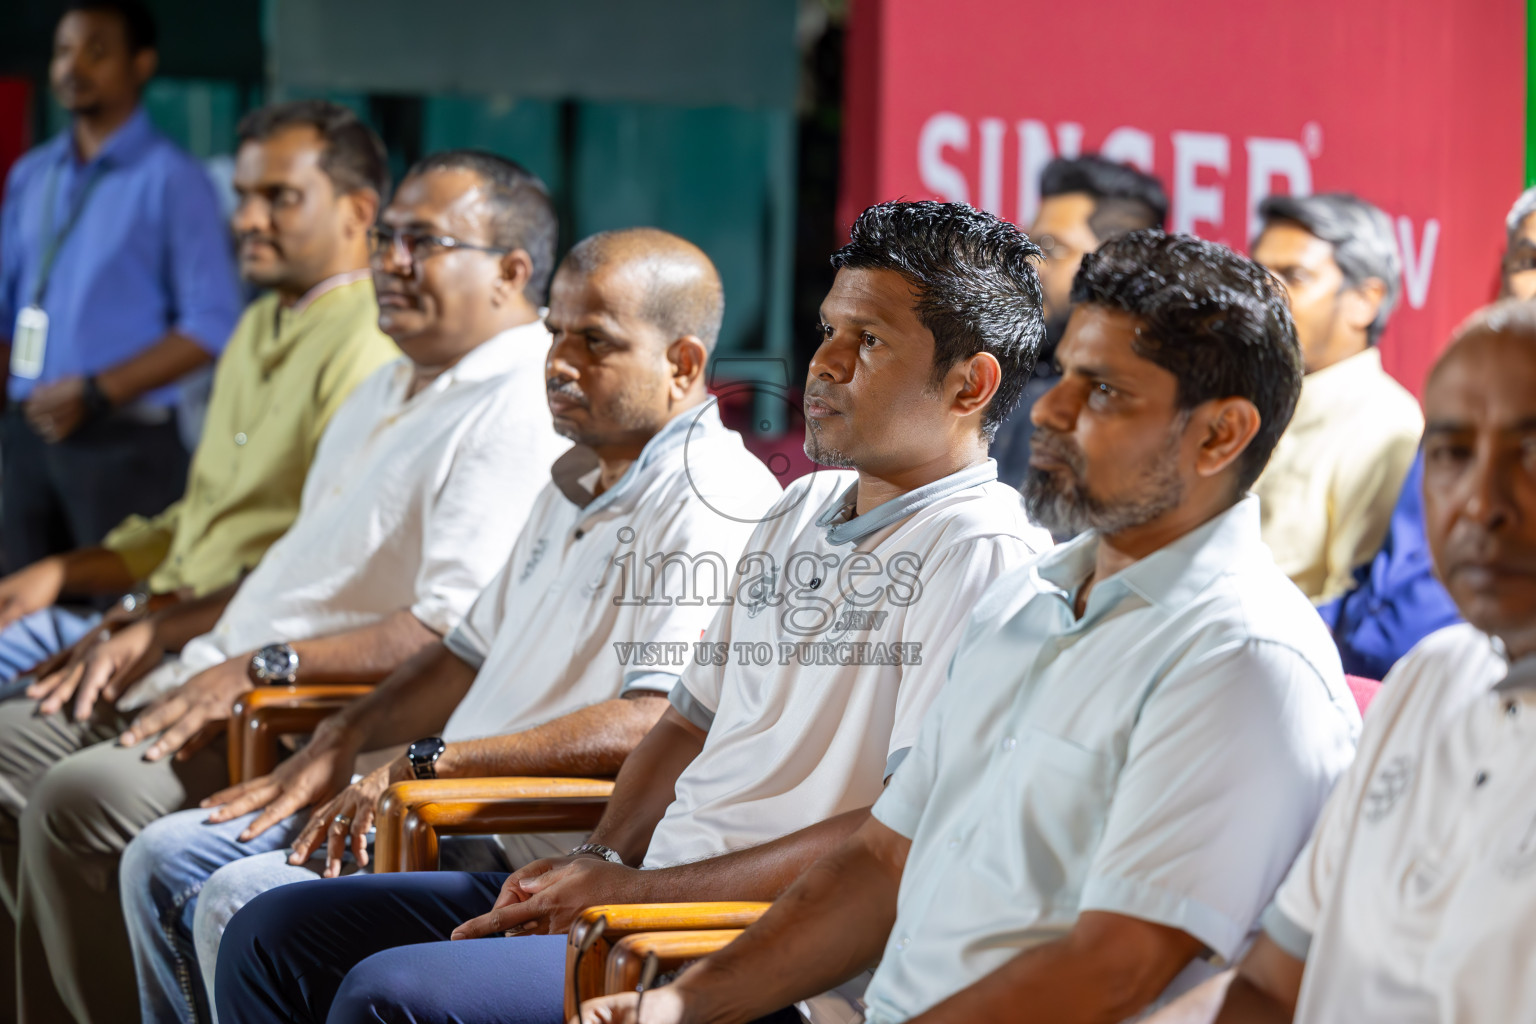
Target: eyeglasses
383, 239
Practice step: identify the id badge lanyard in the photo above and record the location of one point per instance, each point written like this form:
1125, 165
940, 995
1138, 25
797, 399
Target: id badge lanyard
29, 342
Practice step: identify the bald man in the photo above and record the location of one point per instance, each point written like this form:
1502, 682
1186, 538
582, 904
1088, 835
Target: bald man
535, 680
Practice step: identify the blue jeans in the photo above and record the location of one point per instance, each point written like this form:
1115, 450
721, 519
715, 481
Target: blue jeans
182, 880
163, 872
370, 949
33, 638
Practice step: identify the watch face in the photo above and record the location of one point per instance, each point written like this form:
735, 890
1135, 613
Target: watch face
425, 751
276, 662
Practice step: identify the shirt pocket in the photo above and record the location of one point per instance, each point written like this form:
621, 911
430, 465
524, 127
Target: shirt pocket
1061, 793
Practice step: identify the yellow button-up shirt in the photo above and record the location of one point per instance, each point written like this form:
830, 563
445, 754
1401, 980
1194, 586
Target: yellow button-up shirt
283, 374
1329, 488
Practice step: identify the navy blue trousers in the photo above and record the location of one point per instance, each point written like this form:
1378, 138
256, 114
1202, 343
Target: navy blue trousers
373, 948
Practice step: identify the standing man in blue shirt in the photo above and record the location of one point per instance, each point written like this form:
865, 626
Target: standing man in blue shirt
116, 280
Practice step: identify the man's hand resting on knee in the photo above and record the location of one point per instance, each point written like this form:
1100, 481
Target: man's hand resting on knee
100, 667
183, 719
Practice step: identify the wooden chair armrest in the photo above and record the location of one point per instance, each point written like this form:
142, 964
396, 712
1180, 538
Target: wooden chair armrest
412, 815
673, 950
263, 715
625, 919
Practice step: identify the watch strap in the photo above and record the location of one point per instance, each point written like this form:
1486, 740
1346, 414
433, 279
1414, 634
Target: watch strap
608, 853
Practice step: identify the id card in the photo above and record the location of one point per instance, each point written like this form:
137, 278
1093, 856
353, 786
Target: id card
29, 343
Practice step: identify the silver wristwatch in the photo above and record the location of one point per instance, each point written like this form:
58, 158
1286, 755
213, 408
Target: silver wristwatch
598, 849
275, 665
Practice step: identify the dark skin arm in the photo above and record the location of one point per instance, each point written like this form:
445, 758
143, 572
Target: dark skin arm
56, 410
87, 572
105, 663
182, 717
834, 923
1266, 988
546, 896
591, 741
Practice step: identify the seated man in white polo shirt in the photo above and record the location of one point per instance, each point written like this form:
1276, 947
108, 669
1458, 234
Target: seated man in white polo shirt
1415, 898
811, 684
633, 542
1138, 728
417, 490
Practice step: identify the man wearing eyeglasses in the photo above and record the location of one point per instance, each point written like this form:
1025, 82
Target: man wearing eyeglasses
1084, 202
417, 491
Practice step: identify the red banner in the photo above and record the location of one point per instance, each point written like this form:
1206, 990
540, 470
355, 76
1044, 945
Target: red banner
1416, 105
15, 121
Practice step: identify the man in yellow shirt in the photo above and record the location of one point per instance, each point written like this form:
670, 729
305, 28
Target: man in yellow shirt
1328, 492
310, 178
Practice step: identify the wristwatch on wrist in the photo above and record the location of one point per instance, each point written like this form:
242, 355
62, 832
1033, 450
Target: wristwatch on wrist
94, 400
275, 665
137, 601
423, 755
598, 850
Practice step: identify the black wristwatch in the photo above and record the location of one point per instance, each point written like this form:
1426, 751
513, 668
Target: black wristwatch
275, 665
93, 399
423, 755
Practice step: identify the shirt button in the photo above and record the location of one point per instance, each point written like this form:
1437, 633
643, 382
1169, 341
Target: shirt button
903, 942
240, 438
1511, 709
1009, 742
954, 844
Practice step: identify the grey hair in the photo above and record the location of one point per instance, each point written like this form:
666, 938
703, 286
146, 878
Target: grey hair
1361, 236
1523, 208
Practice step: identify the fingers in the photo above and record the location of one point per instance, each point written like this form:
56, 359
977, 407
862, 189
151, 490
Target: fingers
337, 838
45, 687
310, 837
360, 826
178, 732
94, 674
153, 719
514, 918
238, 791
279, 807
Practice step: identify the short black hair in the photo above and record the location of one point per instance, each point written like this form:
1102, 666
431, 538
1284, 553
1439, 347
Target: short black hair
354, 156
523, 213
138, 24
1124, 198
1361, 236
1217, 321
683, 294
977, 288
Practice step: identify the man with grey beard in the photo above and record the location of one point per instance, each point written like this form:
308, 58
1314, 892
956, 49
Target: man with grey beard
1138, 729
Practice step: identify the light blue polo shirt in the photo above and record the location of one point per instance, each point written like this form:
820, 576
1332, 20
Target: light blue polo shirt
1164, 757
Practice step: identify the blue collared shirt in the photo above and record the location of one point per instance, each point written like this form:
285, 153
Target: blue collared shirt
149, 254
1397, 601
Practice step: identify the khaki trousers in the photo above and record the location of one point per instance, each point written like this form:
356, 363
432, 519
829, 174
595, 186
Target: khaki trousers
70, 800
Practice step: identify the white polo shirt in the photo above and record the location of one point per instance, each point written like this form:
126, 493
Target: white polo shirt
608, 594
1163, 757
409, 503
822, 669
1417, 891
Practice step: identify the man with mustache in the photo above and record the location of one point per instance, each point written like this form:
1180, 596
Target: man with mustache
115, 282
310, 179
533, 681
1138, 728
1413, 900
415, 495
1084, 202
844, 611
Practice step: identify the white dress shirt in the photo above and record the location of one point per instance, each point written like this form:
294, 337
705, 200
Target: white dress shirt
410, 503
1162, 757
833, 650
1417, 891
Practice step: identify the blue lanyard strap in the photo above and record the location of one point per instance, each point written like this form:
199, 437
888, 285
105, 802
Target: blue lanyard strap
54, 241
